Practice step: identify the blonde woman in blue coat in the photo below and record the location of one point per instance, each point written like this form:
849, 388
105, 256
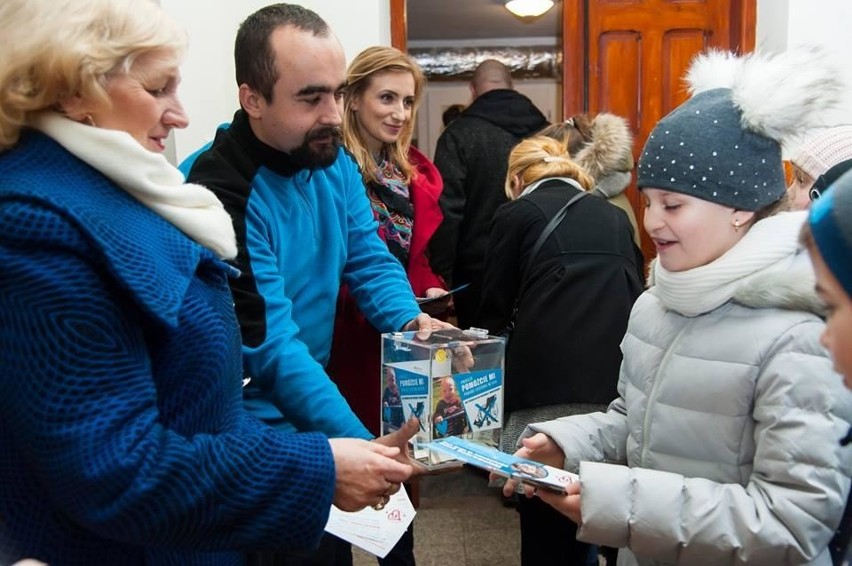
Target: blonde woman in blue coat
722, 445
123, 437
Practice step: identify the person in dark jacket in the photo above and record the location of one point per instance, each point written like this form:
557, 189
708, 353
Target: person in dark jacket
471, 156
573, 300
603, 146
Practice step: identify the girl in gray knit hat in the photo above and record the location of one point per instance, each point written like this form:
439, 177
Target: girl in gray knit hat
721, 447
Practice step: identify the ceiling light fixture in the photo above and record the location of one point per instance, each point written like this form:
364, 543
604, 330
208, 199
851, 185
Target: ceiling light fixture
529, 8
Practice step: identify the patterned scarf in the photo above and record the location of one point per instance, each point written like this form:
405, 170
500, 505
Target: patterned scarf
391, 203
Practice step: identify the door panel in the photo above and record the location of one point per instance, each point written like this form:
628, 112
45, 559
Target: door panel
637, 52
620, 56
628, 57
679, 46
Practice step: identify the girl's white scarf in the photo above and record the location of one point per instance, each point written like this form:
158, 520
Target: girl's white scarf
770, 246
149, 178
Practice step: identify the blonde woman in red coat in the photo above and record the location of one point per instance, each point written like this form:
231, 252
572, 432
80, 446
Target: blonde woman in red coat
384, 88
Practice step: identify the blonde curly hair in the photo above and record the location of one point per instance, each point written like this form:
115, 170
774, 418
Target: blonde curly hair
540, 157
54, 50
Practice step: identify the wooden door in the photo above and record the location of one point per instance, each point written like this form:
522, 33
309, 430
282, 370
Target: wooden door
628, 57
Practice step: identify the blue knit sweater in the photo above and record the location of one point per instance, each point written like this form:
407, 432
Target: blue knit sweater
123, 438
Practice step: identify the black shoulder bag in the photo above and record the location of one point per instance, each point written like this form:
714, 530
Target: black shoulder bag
545, 234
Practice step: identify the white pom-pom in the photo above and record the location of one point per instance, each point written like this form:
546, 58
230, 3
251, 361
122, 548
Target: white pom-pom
780, 95
713, 69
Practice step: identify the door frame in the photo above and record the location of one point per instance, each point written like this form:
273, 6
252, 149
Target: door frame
399, 24
743, 35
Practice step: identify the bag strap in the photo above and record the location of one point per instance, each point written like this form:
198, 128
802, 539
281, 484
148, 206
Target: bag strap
554, 222
545, 234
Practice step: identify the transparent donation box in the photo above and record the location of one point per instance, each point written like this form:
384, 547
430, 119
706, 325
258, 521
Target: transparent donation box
451, 380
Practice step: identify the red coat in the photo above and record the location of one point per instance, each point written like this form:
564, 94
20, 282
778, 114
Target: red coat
355, 352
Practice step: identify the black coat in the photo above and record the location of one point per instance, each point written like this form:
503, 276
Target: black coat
573, 306
472, 157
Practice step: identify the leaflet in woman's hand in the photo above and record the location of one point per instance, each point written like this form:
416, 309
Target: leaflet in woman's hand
375, 531
444, 297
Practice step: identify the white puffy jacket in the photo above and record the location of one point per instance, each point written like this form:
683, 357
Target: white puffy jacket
728, 423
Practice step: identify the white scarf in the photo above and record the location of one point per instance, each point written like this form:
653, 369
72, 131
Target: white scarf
771, 245
149, 178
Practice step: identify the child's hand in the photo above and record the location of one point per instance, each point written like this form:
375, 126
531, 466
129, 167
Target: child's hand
568, 505
513, 486
542, 448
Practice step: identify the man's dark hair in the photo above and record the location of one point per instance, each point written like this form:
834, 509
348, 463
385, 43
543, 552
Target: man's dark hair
253, 55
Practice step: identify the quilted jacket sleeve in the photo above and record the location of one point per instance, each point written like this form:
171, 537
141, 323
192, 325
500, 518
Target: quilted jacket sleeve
789, 506
595, 437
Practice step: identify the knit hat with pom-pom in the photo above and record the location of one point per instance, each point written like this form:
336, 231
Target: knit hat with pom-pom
724, 144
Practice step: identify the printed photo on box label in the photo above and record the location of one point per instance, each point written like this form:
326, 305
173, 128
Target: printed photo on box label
413, 396
480, 393
448, 416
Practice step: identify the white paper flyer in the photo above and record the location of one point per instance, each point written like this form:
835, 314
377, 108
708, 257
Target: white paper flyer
376, 532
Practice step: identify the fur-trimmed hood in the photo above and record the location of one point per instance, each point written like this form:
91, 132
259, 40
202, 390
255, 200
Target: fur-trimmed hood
791, 289
608, 157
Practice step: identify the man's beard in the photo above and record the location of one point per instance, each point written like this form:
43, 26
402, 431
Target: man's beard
306, 157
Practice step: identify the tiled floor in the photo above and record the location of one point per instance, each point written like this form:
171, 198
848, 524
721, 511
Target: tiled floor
461, 522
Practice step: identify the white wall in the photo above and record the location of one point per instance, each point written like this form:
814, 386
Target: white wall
209, 90
784, 23
829, 26
773, 18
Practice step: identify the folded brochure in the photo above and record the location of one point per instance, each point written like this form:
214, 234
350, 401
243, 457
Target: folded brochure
446, 296
523, 470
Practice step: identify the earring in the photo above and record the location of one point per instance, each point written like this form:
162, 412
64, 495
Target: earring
88, 120
736, 224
